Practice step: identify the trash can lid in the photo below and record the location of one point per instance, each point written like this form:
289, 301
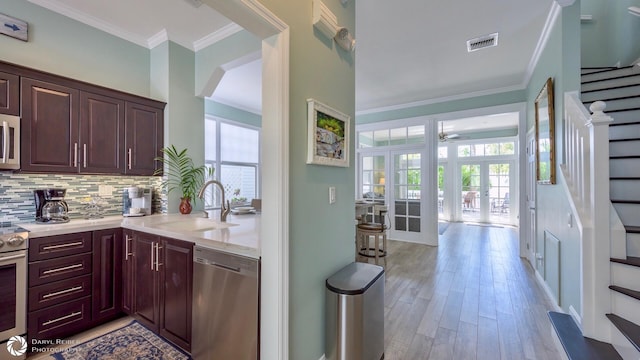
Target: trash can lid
354, 278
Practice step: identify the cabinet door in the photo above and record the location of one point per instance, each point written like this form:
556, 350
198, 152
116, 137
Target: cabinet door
101, 145
107, 274
127, 272
176, 279
49, 134
144, 136
146, 292
9, 94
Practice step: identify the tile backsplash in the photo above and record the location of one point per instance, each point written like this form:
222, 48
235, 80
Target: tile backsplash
16, 193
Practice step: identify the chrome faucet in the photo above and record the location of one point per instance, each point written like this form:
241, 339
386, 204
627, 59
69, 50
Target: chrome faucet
225, 208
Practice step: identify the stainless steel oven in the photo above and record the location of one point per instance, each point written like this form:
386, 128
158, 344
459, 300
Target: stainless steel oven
9, 142
13, 293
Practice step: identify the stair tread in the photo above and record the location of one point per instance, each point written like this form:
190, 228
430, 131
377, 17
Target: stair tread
632, 293
624, 178
630, 330
625, 157
575, 344
630, 260
632, 229
625, 124
620, 201
622, 140
608, 88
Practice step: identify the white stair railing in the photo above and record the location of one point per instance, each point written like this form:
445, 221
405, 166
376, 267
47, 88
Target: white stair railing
586, 172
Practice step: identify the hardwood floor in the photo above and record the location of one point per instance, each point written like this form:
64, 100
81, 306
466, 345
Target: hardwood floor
472, 297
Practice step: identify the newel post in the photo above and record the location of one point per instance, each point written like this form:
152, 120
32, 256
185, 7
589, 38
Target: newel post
596, 299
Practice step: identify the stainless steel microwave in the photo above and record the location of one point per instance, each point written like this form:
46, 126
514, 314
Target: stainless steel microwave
9, 142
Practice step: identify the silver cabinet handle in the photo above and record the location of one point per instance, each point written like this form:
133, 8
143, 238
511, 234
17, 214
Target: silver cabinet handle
158, 247
129, 156
70, 267
75, 154
126, 247
152, 251
61, 318
5, 141
84, 153
61, 292
52, 247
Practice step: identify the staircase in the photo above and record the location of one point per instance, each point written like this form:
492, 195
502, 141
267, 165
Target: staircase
620, 89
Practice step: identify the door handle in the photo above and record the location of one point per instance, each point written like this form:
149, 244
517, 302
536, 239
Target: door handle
75, 154
158, 247
84, 151
5, 141
129, 156
126, 247
152, 251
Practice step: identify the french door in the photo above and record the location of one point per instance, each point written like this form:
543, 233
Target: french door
485, 191
407, 210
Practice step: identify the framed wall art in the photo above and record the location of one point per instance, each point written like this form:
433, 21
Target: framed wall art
545, 135
328, 135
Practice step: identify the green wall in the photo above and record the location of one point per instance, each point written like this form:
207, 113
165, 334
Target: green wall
66, 47
560, 61
231, 113
321, 235
611, 37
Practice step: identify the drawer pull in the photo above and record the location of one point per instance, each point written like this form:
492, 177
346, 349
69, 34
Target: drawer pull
61, 318
158, 247
126, 248
75, 266
62, 292
61, 246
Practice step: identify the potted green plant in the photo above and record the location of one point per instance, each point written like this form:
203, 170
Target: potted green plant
181, 173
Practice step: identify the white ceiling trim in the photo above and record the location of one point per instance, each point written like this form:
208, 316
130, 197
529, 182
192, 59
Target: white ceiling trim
216, 36
552, 18
442, 99
82, 17
158, 39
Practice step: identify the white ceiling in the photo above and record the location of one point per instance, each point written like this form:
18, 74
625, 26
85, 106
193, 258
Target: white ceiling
412, 52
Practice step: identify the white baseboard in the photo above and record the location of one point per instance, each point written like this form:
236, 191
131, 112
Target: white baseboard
548, 292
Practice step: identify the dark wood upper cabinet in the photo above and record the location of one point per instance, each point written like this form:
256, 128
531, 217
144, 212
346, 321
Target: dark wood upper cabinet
69, 126
9, 94
144, 138
101, 134
50, 126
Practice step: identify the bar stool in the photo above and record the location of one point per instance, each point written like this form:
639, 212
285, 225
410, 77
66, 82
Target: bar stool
366, 232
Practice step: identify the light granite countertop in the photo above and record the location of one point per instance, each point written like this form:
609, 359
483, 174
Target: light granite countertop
240, 235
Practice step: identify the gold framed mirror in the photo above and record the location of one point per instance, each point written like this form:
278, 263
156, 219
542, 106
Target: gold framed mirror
545, 135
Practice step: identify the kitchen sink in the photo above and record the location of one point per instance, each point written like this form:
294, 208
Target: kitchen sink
195, 225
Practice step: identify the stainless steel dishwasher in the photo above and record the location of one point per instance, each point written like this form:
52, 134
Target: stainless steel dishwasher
225, 306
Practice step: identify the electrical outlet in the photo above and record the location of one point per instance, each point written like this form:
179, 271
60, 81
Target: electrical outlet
332, 194
105, 190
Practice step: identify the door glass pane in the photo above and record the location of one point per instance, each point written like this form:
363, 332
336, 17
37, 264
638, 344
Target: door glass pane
373, 177
415, 134
499, 198
440, 191
470, 186
407, 192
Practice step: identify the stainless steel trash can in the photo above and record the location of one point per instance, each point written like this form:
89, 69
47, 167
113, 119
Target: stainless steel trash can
355, 313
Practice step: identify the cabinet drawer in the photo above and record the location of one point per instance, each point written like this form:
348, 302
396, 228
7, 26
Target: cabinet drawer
59, 321
41, 272
60, 245
59, 292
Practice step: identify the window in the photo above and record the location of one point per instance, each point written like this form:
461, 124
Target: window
389, 137
490, 149
233, 149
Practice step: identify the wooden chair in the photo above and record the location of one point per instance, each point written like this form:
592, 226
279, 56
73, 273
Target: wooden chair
366, 232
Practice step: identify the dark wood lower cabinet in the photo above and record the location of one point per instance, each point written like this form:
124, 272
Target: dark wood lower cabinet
74, 283
107, 275
158, 285
81, 280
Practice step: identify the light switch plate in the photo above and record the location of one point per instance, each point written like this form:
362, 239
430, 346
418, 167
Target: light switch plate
332, 194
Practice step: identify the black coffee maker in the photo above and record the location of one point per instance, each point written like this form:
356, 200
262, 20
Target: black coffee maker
50, 206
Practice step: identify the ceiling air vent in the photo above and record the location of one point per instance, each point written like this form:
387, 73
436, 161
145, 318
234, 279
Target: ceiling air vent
482, 42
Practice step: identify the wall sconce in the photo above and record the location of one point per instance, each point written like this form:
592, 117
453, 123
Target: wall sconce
327, 22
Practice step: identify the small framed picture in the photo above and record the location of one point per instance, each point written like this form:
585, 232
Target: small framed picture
328, 142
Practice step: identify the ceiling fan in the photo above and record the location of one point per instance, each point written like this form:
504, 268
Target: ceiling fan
444, 136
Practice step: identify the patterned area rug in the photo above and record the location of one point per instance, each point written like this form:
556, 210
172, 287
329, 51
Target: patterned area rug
132, 341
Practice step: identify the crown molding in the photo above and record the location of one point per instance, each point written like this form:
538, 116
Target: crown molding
216, 36
552, 18
158, 39
441, 100
84, 18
